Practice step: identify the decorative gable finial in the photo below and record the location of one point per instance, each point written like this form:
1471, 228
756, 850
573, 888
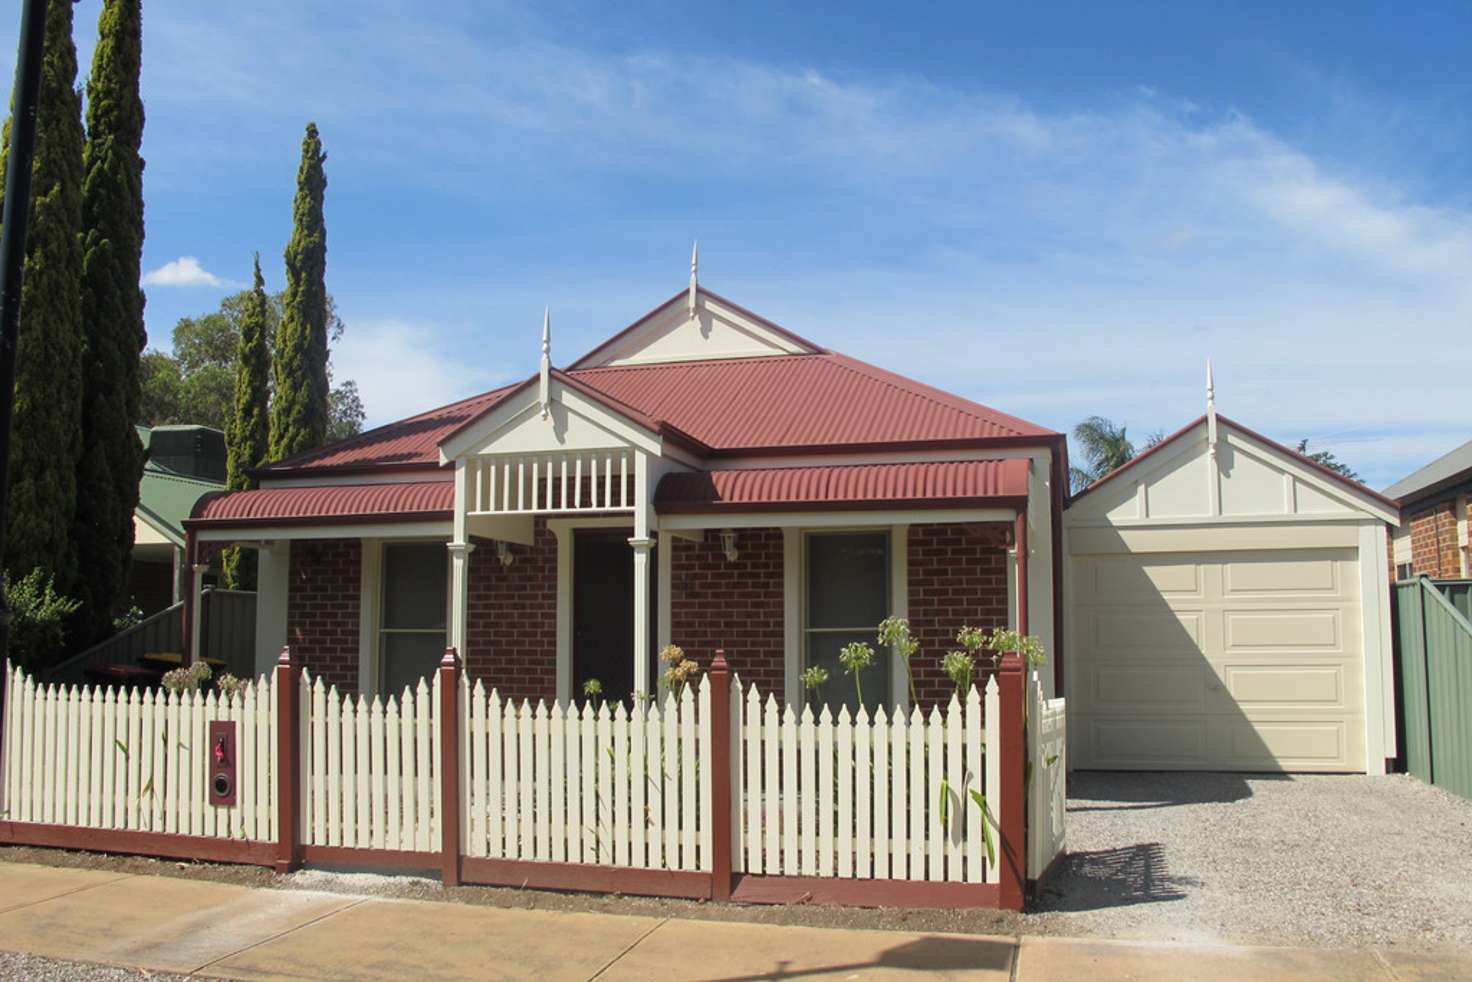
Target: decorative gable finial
545, 390
1210, 412
694, 275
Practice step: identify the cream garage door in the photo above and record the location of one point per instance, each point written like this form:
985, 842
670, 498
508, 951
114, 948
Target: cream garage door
1218, 661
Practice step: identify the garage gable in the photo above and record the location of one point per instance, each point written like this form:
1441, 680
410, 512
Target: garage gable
1240, 476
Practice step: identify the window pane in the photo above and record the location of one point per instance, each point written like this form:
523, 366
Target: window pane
407, 658
414, 585
848, 580
839, 689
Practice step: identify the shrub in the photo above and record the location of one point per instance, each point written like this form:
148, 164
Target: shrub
38, 618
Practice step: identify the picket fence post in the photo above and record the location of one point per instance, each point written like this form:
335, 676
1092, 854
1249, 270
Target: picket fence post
450, 764
721, 776
1012, 854
288, 757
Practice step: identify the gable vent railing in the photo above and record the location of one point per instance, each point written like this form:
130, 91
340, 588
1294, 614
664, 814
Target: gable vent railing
590, 481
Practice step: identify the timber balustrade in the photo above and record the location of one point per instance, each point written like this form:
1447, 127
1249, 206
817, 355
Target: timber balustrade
715, 791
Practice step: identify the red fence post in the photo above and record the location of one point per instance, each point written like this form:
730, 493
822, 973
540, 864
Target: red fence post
288, 759
450, 768
720, 776
1013, 810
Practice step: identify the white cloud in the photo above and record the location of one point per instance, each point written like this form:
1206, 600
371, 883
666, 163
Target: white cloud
184, 271
400, 371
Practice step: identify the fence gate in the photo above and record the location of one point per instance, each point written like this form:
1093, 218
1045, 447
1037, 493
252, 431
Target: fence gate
1434, 652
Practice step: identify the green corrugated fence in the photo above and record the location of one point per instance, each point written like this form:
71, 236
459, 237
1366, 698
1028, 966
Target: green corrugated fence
1434, 652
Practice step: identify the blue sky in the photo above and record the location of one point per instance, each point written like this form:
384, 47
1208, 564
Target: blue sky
1059, 210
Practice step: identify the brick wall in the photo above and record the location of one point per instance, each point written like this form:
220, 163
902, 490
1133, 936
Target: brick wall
955, 579
322, 608
736, 606
511, 635
1434, 550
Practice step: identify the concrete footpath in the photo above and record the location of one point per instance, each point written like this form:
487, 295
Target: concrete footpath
217, 930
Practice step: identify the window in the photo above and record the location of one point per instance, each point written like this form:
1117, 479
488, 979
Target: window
1403, 571
847, 595
411, 634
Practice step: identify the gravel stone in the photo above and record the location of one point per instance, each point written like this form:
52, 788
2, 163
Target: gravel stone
34, 968
1314, 860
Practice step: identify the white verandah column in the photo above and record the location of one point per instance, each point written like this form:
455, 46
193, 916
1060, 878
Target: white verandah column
642, 543
460, 549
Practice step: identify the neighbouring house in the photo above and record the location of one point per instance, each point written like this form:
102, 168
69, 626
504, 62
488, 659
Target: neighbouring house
1432, 539
184, 463
703, 477
1227, 609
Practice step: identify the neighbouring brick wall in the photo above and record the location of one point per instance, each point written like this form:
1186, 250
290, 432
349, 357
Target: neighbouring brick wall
1434, 541
511, 634
322, 608
955, 579
736, 606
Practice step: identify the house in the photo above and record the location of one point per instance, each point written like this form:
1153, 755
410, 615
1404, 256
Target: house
703, 477
1227, 609
1432, 539
183, 464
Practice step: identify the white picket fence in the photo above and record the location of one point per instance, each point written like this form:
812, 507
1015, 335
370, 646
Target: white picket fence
881, 797
1047, 794
108, 759
584, 784
371, 768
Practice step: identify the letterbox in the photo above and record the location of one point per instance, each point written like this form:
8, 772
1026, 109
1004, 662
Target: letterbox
222, 763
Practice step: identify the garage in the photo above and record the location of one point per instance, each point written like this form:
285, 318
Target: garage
1228, 610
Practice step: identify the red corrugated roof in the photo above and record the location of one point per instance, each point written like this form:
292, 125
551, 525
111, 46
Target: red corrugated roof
932, 484
334, 502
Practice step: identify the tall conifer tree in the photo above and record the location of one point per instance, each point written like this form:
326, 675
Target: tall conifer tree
112, 313
46, 439
247, 431
299, 407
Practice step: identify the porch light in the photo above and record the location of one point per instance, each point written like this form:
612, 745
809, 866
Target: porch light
728, 545
504, 553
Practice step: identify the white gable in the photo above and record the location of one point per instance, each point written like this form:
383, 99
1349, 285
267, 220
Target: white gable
718, 330
573, 423
1247, 480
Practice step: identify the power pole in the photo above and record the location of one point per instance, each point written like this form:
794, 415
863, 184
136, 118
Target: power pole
13, 256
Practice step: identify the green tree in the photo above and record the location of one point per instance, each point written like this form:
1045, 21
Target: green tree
112, 315
345, 413
248, 430
46, 439
300, 403
1102, 446
1327, 459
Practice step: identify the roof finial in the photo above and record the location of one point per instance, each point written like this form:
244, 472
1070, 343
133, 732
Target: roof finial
546, 367
694, 275
1210, 411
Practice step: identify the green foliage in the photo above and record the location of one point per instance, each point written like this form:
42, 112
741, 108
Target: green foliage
248, 430
186, 678
46, 437
112, 316
38, 619
680, 672
1327, 459
855, 657
959, 666
345, 413
1102, 446
593, 690
813, 680
300, 404
131, 617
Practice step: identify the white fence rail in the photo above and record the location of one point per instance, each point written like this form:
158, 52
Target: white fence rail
866, 797
1047, 793
105, 758
371, 768
582, 784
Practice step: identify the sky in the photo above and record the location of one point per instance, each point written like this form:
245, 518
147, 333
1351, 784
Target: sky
1058, 210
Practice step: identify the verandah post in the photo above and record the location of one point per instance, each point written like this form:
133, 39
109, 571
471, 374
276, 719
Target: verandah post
721, 775
288, 756
450, 763
1011, 686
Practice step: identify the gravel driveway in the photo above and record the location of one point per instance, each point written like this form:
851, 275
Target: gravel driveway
1263, 859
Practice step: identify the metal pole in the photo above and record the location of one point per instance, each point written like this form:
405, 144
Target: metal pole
13, 255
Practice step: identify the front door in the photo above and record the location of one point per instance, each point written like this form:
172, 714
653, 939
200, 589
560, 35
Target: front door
603, 612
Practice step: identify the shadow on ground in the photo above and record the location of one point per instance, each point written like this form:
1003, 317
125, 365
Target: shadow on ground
928, 954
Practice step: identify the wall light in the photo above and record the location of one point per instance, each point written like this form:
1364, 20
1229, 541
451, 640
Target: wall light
728, 544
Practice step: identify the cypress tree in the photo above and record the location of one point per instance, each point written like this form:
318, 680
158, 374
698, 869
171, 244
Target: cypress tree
46, 439
246, 431
299, 408
112, 313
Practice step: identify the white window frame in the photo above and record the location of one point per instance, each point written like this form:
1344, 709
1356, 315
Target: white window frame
370, 607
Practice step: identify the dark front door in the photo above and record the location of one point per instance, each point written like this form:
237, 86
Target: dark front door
603, 612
